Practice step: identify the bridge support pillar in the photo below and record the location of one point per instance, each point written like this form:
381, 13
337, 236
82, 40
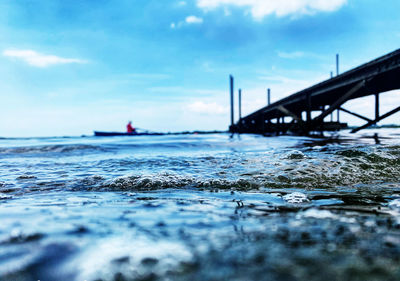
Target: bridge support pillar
308, 118
376, 106
240, 104
232, 108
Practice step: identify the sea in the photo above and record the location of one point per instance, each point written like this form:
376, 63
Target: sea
201, 207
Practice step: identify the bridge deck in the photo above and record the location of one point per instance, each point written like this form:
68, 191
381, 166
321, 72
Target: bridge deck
372, 78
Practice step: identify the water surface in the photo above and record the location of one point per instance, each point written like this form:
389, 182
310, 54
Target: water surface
201, 207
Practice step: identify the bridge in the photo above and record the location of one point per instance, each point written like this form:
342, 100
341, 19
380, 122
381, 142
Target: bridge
308, 109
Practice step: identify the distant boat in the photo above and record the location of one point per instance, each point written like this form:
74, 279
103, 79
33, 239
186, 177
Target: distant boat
111, 134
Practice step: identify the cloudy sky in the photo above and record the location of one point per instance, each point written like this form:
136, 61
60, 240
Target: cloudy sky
71, 67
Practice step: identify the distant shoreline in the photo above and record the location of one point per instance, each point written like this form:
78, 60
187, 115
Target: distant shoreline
198, 132
390, 126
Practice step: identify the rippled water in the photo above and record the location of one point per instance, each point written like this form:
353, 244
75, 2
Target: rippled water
201, 207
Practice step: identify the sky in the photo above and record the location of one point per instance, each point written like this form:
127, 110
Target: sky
70, 67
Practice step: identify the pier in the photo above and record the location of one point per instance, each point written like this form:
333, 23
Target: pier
306, 111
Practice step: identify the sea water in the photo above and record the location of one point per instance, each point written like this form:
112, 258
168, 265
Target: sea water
201, 207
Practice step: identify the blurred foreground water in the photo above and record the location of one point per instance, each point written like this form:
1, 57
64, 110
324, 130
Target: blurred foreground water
201, 207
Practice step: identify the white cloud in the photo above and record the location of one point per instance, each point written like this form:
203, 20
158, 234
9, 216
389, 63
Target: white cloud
193, 20
39, 60
227, 12
261, 8
291, 55
188, 20
149, 76
300, 54
278, 79
211, 108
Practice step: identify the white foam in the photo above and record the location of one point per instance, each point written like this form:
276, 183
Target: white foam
296, 198
395, 204
4, 196
318, 214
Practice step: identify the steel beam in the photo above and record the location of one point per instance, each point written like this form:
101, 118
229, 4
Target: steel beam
289, 113
355, 114
339, 102
372, 122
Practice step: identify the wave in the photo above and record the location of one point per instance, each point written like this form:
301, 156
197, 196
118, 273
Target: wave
307, 169
161, 147
162, 181
50, 149
346, 167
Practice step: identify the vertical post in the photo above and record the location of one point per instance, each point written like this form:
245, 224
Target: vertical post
240, 104
308, 116
337, 64
232, 109
331, 74
338, 115
278, 126
376, 106
269, 96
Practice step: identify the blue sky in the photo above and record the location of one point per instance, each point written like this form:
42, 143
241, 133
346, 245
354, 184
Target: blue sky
71, 67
